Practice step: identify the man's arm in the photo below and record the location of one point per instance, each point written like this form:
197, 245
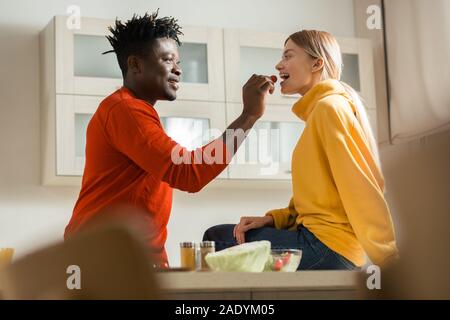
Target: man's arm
134, 129
253, 96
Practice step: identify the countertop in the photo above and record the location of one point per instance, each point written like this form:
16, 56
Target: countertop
242, 285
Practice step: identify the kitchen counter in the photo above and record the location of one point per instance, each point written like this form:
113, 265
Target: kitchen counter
265, 285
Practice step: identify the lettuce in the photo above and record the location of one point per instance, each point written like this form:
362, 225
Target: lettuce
246, 257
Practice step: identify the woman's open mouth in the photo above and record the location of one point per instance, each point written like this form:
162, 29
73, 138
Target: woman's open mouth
284, 77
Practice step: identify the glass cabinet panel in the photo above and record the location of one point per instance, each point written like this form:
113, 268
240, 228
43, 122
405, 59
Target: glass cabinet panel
89, 60
259, 61
82, 69
248, 53
273, 140
350, 70
194, 62
190, 133
81, 123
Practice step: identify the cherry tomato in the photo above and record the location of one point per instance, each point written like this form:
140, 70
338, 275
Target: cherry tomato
277, 265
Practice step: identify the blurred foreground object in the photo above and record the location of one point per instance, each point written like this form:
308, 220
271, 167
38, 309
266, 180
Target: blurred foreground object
418, 186
6, 255
104, 263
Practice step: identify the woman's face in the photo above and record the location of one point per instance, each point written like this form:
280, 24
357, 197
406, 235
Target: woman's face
296, 69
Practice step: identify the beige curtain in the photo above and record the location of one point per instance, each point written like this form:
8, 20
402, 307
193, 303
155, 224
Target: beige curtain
418, 54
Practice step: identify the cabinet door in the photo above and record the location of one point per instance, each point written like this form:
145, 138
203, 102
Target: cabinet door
357, 69
249, 52
267, 150
73, 114
191, 124
201, 57
358, 72
81, 68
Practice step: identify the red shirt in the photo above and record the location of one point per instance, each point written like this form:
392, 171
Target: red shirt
128, 161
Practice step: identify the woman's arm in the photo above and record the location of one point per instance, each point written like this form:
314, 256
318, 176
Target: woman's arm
355, 174
284, 218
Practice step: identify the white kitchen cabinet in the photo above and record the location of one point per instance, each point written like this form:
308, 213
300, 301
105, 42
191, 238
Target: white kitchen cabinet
248, 52
82, 69
76, 77
65, 119
187, 122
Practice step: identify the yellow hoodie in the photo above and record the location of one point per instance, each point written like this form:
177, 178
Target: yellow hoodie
337, 186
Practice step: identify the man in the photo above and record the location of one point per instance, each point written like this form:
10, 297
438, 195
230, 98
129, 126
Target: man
129, 157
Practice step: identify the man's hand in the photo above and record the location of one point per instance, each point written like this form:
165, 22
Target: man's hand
254, 93
248, 223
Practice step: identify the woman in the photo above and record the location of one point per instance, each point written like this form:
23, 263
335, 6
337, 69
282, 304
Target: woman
337, 213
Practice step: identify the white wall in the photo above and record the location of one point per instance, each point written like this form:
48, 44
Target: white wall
32, 215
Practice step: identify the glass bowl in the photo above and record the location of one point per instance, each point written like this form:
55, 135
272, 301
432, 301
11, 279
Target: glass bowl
284, 260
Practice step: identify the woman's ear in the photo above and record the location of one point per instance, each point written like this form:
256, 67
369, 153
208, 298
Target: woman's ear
318, 65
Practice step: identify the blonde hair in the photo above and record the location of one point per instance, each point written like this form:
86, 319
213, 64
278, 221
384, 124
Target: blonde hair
321, 44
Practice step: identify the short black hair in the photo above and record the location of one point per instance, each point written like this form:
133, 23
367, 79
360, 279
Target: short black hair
134, 36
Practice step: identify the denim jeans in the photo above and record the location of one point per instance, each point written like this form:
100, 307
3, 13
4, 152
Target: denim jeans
315, 254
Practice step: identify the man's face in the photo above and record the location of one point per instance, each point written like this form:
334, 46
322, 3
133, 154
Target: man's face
159, 74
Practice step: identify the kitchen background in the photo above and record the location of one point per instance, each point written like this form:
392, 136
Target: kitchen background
32, 215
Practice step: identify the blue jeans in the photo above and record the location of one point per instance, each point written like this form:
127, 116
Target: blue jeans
315, 254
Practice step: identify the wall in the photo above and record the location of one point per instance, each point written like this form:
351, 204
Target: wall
32, 215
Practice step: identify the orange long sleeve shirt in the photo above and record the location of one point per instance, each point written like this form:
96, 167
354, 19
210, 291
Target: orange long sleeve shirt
129, 161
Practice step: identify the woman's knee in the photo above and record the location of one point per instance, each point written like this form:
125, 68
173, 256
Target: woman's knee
219, 232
